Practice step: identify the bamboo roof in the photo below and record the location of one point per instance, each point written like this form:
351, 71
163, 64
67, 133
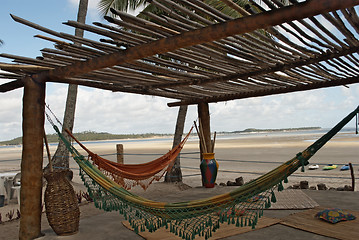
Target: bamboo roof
193, 53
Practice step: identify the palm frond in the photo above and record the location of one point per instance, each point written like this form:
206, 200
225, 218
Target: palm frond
224, 8
104, 6
134, 4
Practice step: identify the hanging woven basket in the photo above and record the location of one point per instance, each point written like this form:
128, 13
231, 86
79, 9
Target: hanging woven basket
61, 203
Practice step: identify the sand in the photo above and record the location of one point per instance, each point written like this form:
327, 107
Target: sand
248, 157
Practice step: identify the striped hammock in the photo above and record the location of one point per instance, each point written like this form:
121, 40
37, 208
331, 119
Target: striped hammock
130, 175
242, 206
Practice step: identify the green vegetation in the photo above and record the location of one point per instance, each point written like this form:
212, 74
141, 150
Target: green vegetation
90, 136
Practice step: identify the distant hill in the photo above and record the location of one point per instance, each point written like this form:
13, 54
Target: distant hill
98, 136
90, 136
258, 130
254, 130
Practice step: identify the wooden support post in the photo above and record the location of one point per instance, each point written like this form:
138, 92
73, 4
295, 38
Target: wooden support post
204, 124
119, 149
32, 158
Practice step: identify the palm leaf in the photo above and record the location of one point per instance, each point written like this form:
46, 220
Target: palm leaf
224, 8
104, 6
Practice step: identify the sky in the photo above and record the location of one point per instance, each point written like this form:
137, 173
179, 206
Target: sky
122, 113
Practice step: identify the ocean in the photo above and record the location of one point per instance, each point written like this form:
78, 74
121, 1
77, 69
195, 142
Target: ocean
344, 133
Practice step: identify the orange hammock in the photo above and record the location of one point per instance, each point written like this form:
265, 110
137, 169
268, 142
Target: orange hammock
130, 175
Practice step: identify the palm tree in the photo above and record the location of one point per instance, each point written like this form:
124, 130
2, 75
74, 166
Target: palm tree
121, 5
61, 156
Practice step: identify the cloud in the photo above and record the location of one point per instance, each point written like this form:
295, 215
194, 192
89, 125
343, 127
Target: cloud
10, 114
321, 107
105, 111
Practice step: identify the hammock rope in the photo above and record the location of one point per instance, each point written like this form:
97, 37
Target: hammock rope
242, 206
130, 175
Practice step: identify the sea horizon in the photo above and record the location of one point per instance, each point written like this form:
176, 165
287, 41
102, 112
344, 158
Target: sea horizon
219, 136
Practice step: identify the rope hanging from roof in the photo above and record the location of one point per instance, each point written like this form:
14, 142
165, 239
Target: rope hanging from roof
242, 206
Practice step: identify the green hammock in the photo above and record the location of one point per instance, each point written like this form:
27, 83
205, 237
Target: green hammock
242, 206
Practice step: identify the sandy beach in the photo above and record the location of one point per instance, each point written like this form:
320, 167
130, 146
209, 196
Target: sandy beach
248, 156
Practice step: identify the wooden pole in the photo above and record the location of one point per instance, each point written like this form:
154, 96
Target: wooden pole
202, 145
204, 124
119, 148
214, 141
32, 158
204, 127
352, 175
205, 148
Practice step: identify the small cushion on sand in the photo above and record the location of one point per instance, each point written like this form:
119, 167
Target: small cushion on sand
334, 215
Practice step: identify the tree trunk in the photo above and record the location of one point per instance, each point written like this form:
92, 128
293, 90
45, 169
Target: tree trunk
61, 156
175, 175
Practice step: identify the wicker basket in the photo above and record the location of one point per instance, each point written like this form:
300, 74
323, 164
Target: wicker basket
61, 203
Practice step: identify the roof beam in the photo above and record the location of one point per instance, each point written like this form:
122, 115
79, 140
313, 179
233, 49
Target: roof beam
9, 86
199, 36
279, 67
266, 92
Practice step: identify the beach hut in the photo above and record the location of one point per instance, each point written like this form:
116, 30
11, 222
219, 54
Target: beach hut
218, 58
